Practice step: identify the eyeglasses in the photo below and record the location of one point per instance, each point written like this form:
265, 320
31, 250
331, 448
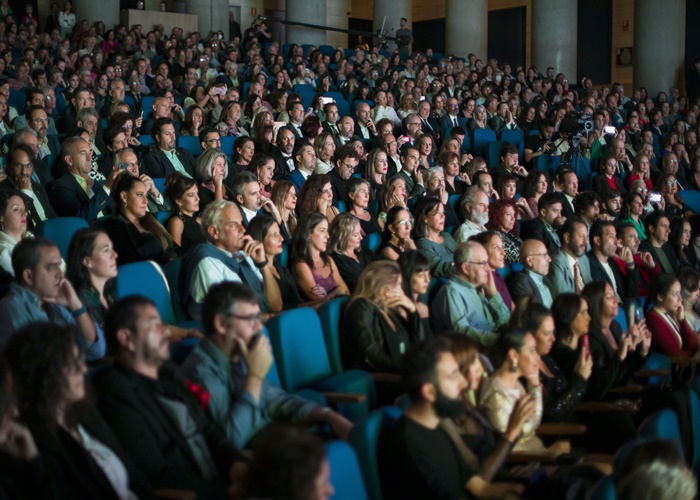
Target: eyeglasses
404, 222
250, 318
483, 263
671, 183
23, 166
544, 254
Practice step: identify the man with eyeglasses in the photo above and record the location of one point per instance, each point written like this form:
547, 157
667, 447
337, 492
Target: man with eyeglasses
346, 162
669, 165
232, 362
20, 169
37, 120
35, 97
114, 139
469, 302
390, 145
532, 281
228, 255
475, 203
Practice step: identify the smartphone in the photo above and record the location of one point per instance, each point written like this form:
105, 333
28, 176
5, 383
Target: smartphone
422, 98
654, 197
610, 130
586, 345
327, 100
220, 90
631, 315
141, 115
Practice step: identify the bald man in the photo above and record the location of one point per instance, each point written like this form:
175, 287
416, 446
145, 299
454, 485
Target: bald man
365, 127
533, 281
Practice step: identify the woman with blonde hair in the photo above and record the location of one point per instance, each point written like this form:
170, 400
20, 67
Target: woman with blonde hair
345, 247
380, 321
324, 145
212, 168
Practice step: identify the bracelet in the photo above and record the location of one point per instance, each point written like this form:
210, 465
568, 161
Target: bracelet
261, 264
79, 312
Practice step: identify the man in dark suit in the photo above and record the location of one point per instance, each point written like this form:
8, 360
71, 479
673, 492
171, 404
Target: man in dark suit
428, 123
330, 124
295, 110
139, 397
568, 183
508, 164
365, 128
542, 228
165, 158
41, 174
603, 265
284, 157
37, 120
20, 167
346, 162
246, 189
658, 227
75, 194
116, 93
532, 281
230, 78
82, 98
452, 119
305, 161
502, 120
114, 139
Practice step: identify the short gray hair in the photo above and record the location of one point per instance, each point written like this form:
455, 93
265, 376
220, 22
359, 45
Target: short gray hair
212, 216
469, 195
85, 112
432, 171
240, 180
18, 138
206, 160
117, 155
463, 253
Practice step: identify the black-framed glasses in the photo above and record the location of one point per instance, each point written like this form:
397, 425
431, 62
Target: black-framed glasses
250, 317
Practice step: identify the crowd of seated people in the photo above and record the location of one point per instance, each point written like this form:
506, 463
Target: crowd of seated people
491, 290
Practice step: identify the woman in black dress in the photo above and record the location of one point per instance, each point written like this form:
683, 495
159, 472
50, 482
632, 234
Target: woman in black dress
184, 226
346, 248
397, 233
359, 195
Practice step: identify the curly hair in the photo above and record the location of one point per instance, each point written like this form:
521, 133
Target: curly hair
38, 357
310, 192
497, 209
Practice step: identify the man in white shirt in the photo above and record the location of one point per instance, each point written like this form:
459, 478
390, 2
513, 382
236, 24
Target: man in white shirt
476, 208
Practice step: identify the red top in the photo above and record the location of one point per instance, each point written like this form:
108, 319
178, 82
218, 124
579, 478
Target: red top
668, 340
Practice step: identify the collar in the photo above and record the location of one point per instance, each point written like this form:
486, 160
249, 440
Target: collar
569, 259
548, 226
248, 213
169, 153
471, 224
81, 180
461, 281
217, 355
25, 293
535, 276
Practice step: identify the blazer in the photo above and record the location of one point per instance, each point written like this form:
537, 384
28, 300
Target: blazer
40, 194
522, 285
600, 184
561, 275
69, 199
297, 179
446, 125
71, 470
567, 208
535, 230
151, 437
666, 248
158, 165
281, 166
626, 285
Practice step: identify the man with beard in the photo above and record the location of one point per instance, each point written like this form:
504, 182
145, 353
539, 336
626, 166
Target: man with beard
569, 271
37, 120
604, 263
658, 227
419, 458
469, 302
476, 208
542, 228
612, 204
146, 403
346, 162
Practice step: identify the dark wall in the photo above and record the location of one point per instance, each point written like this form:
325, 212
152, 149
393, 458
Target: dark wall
594, 40
429, 34
692, 33
507, 35
359, 25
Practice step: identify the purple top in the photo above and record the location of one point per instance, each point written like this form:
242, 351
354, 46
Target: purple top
328, 283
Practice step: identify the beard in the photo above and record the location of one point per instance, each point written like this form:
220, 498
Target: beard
446, 407
482, 219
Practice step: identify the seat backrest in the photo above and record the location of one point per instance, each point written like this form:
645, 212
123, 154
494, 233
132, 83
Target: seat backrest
661, 425
299, 348
692, 199
657, 361
346, 476
60, 230
330, 315
227, 144
159, 183
372, 241
364, 439
694, 404
512, 136
493, 153
146, 140
147, 103
190, 143
146, 278
483, 136
604, 489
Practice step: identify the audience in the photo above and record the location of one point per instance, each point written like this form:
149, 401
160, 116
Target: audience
350, 257
433, 241
13, 224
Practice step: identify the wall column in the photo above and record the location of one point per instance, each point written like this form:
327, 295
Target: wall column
659, 44
393, 10
213, 15
310, 12
467, 28
554, 36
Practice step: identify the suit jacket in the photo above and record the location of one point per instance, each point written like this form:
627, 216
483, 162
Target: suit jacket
413, 189
54, 144
297, 179
626, 285
446, 125
157, 164
430, 126
297, 133
338, 185
666, 248
600, 184
567, 209
535, 230
562, 277
69, 199
40, 194
327, 128
522, 285
281, 166
130, 403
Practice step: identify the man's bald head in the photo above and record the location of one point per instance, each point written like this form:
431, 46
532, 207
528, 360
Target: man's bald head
534, 256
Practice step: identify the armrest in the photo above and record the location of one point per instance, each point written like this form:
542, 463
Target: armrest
560, 429
603, 406
174, 494
386, 377
343, 397
645, 373
626, 389
683, 360
521, 457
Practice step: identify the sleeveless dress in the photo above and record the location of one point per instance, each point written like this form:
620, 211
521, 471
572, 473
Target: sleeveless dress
328, 283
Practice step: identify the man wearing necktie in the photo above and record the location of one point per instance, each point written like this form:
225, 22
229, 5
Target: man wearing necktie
570, 270
469, 302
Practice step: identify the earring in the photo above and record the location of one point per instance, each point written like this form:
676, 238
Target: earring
514, 366
89, 265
